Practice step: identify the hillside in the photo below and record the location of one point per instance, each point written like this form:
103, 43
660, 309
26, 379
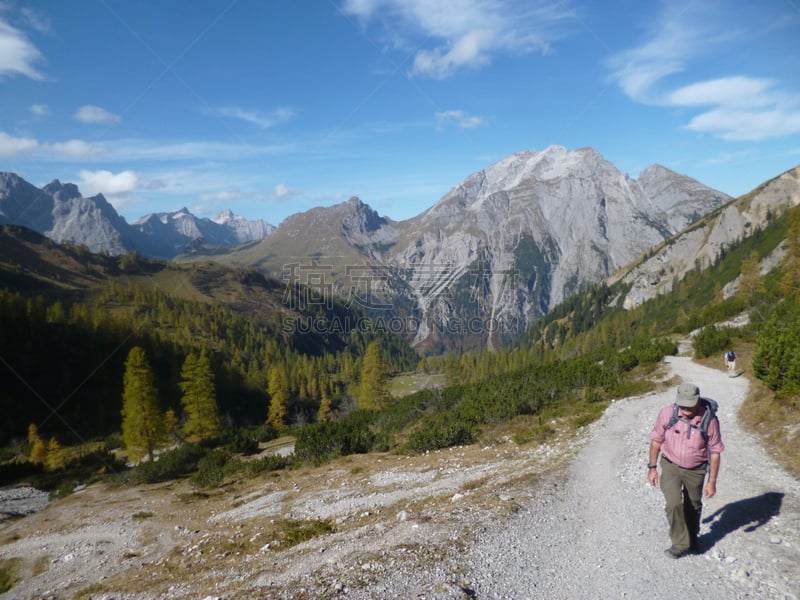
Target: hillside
69, 319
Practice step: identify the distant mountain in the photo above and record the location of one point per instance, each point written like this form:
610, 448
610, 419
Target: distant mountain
59, 212
495, 253
165, 235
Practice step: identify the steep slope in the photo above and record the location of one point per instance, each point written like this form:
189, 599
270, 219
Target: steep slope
702, 244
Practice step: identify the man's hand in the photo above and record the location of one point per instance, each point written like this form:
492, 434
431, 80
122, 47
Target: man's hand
652, 477
710, 489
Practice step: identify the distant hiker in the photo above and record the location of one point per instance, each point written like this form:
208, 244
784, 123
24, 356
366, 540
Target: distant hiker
730, 362
687, 435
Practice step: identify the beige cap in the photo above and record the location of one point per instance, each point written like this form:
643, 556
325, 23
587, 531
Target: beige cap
688, 395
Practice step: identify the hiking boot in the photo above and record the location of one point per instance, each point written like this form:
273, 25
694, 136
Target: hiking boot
674, 552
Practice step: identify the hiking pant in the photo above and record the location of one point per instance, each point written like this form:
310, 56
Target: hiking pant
683, 491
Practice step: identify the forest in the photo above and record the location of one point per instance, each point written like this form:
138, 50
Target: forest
127, 370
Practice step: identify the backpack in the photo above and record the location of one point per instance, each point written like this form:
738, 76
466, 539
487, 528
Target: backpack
731, 355
712, 406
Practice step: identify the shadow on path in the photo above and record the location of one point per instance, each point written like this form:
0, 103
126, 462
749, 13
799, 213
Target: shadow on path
749, 514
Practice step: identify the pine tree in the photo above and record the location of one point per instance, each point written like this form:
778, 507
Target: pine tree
373, 392
142, 421
279, 398
55, 456
199, 398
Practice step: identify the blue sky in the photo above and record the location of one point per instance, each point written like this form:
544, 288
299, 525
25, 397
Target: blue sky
271, 107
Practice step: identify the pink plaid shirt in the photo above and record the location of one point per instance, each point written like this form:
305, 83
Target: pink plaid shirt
690, 452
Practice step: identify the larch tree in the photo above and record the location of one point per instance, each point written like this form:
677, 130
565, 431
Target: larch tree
324, 411
199, 398
790, 281
38, 448
750, 282
373, 390
278, 390
55, 459
142, 421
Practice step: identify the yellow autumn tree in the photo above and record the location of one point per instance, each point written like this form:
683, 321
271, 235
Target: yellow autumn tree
373, 391
55, 459
38, 448
278, 390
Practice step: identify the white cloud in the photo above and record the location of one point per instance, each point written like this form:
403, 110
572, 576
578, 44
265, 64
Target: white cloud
262, 120
282, 192
675, 38
74, 149
734, 108
40, 110
95, 114
224, 196
731, 91
471, 50
17, 54
464, 33
11, 146
735, 124
108, 183
459, 118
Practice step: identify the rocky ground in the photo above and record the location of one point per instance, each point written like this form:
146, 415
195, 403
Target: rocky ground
570, 518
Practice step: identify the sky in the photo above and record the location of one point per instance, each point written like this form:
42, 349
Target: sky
272, 107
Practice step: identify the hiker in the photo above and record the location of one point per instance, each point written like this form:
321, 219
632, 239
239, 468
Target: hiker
730, 362
687, 435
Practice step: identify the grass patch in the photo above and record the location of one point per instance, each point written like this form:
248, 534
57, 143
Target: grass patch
8, 575
776, 421
141, 515
88, 592
404, 384
293, 531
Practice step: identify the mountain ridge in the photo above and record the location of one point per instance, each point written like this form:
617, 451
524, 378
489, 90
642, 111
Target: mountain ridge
60, 212
499, 249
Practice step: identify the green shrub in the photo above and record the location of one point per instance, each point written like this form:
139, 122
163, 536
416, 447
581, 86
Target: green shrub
710, 340
776, 356
442, 432
319, 442
265, 464
211, 469
170, 465
236, 441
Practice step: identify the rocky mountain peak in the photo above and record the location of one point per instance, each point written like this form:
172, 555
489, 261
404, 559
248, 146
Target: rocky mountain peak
224, 217
62, 192
362, 218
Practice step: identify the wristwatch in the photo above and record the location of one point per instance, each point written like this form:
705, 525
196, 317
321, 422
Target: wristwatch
651, 466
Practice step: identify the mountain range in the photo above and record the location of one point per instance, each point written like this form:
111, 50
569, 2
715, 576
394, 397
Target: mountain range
495, 253
59, 211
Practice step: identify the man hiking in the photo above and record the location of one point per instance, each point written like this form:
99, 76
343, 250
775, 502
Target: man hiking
687, 436
730, 362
